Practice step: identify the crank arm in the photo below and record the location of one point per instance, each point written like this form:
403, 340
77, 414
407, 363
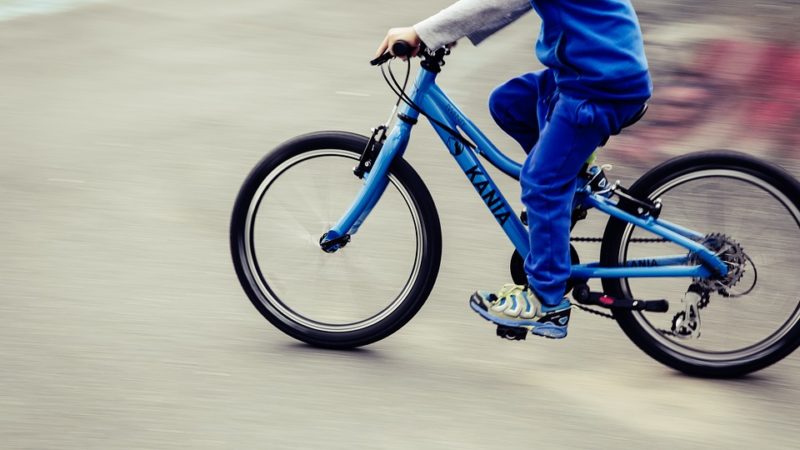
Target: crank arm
586, 297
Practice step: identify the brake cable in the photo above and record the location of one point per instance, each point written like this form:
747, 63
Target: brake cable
400, 91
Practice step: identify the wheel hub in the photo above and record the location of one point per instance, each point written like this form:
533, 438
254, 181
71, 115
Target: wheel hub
731, 253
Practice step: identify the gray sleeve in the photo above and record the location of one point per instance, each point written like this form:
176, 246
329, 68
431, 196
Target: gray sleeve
475, 19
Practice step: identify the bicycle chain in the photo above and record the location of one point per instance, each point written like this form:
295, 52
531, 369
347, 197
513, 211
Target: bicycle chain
595, 239
611, 317
593, 311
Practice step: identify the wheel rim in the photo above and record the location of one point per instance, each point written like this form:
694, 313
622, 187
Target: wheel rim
689, 349
274, 298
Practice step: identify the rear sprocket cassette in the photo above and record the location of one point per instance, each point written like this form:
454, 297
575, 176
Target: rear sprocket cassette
731, 253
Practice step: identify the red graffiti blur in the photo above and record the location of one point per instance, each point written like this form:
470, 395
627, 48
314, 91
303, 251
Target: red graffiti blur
732, 94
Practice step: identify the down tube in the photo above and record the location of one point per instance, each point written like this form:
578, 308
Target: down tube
480, 180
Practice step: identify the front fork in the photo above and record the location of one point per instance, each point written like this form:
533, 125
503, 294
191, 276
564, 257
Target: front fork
373, 168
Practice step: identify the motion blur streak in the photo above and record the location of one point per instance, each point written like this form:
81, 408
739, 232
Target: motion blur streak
12, 9
126, 128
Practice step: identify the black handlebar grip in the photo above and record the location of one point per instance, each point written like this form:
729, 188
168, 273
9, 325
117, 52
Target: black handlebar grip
402, 48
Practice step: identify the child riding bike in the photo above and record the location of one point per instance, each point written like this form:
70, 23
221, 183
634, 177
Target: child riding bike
596, 80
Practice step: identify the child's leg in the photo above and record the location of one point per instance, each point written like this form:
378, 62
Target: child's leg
549, 176
519, 106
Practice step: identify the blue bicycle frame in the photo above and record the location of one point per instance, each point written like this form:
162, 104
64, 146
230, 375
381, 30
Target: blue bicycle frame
431, 99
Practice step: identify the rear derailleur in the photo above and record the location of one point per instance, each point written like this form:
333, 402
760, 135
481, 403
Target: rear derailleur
686, 323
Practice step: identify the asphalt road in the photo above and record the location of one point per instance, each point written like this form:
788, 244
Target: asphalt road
126, 129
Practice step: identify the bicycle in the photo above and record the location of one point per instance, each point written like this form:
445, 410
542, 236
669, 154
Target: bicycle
368, 246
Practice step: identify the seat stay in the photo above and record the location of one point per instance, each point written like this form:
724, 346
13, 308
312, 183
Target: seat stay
686, 238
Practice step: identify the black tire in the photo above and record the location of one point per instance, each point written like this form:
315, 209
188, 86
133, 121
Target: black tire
417, 198
615, 248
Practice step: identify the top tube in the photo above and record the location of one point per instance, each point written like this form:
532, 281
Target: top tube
438, 106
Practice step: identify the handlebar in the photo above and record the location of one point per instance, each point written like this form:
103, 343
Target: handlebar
400, 49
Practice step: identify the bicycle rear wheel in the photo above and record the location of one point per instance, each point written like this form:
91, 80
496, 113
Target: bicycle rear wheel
359, 294
739, 200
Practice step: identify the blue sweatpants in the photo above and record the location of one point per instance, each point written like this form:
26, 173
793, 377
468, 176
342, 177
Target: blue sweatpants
559, 133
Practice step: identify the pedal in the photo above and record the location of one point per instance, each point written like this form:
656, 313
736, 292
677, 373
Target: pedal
512, 333
585, 297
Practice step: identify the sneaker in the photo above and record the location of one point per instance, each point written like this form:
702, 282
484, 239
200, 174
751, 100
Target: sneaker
517, 306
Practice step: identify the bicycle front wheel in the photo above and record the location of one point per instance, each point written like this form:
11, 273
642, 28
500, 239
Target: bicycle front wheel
750, 212
359, 294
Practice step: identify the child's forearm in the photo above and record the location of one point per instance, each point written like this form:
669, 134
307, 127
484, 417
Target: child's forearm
475, 19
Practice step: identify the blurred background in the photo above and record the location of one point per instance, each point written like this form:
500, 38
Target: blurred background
126, 129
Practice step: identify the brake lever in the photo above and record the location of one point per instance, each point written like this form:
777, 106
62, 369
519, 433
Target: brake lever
381, 59
400, 49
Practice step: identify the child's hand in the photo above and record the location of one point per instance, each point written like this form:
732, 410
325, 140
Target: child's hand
406, 34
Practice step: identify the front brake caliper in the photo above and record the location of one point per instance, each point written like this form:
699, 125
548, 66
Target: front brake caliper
367, 159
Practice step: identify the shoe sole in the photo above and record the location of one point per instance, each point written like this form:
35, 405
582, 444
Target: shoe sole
547, 330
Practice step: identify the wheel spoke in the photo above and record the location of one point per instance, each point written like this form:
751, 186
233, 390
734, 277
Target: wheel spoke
374, 279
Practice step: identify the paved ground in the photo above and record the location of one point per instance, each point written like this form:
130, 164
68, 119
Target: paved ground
126, 130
